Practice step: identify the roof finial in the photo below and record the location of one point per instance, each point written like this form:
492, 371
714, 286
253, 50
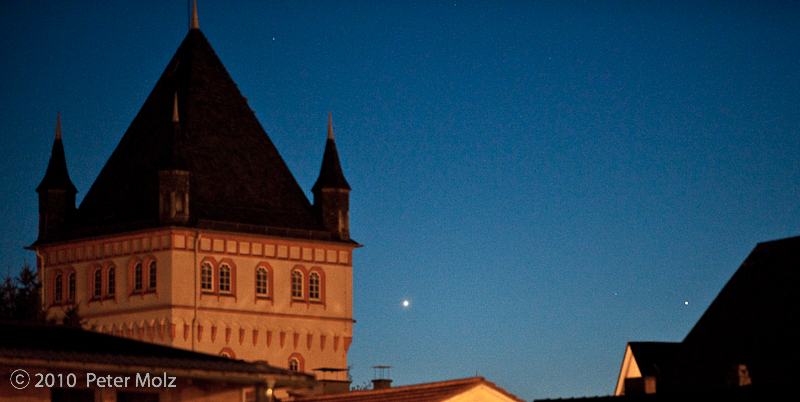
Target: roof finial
330, 126
195, 24
175, 118
58, 126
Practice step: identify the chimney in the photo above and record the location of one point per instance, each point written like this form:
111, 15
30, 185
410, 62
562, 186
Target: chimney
331, 382
382, 377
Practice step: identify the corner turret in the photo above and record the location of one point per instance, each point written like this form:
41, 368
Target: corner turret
56, 192
331, 191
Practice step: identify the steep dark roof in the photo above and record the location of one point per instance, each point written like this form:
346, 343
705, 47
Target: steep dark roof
755, 319
57, 177
330, 174
752, 327
758, 302
236, 174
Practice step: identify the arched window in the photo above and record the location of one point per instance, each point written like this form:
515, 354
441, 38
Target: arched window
111, 287
297, 284
97, 287
207, 277
296, 362
71, 287
58, 288
262, 282
313, 286
138, 277
227, 353
152, 275
224, 278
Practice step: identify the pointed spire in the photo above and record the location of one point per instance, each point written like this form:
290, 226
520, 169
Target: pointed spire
330, 126
175, 118
195, 24
58, 126
330, 175
56, 176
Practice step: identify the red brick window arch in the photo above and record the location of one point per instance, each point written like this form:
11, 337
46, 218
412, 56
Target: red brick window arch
97, 283
152, 275
207, 276
262, 282
58, 287
224, 278
111, 281
138, 277
314, 282
228, 353
71, 287
296, 363
297, 284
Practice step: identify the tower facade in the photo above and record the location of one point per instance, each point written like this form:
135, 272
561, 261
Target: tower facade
196, 235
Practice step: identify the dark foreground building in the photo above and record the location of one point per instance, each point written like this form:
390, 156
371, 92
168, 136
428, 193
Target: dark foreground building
746, 345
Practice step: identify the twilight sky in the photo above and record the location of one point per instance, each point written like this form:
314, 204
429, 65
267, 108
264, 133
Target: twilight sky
543, 181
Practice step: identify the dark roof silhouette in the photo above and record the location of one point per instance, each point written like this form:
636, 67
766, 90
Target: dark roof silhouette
238, 180
752, 327
755, 320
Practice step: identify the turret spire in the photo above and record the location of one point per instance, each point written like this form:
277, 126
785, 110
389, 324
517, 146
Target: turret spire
194, 24
56, 191
331, 191
175, 118
330, 126
58, 126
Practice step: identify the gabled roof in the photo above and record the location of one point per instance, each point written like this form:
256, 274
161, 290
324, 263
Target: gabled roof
652, 357
57, 177
644, 359
71, 347
236, 174
755, 319
429, 392
751, 330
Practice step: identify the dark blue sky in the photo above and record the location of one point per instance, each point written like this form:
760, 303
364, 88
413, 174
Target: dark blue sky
544, 181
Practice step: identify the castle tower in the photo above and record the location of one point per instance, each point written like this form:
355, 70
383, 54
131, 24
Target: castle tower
56, 192
331, 191
196, 235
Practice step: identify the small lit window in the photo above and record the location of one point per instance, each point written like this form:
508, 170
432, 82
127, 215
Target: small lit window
297, 285
313, 286
138, 277
112, 282
152, 276
206, 277
262, 278
97, 289
294, 364
58, 286
71, 287
224, 278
